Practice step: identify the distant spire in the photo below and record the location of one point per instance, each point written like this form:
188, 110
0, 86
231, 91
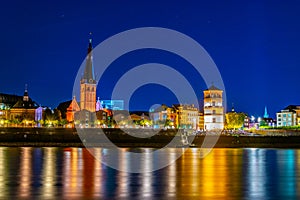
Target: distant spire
232, 107
90, 43
266, 115
88, 76
25, 96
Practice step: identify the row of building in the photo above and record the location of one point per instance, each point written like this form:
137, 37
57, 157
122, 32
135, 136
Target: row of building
23, 111
91, 112
188, 116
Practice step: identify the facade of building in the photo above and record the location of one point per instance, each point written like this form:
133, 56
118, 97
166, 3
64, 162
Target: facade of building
246, 122
85, 119
7, 101
288, 116
102, 118
213, 109
298, 115
163, 116
25, 112
201, 121
88, 84
187, 116
268, 122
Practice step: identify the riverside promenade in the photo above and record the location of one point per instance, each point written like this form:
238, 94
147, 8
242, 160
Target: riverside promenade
93, 137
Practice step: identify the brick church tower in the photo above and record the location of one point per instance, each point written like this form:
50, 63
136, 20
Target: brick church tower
88, 84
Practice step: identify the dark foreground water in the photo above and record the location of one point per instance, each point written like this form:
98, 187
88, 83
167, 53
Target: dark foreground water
72, 173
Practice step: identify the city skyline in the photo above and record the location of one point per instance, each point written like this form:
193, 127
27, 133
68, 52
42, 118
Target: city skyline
253, 45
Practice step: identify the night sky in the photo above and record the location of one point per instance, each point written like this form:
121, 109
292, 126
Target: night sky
255, 45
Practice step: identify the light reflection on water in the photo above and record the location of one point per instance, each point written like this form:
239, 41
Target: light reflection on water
68, 173
25, 173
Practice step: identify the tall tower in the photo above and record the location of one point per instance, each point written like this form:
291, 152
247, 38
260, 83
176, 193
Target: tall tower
213, 109
88, 83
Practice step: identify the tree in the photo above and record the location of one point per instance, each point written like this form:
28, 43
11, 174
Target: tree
263, 123
168, 123
57, 114
145, 122
48, 115
63, 122
234, 120
49, 118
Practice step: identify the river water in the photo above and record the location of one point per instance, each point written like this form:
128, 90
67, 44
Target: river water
72, 173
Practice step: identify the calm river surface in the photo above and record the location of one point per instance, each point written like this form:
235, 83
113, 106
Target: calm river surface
72, 173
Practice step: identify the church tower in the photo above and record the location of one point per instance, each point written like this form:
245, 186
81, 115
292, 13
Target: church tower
88, 84
266, 115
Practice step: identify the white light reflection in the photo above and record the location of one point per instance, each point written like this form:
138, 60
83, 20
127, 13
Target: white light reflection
66, 170
25, 172
256, 174
146, 163
3, 173
123, 181
171, 180
98, 175
49, 173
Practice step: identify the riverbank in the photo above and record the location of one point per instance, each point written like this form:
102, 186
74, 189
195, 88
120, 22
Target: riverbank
61, 137
276, 132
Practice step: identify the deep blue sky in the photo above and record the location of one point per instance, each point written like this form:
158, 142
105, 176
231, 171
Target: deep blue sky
255, 46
